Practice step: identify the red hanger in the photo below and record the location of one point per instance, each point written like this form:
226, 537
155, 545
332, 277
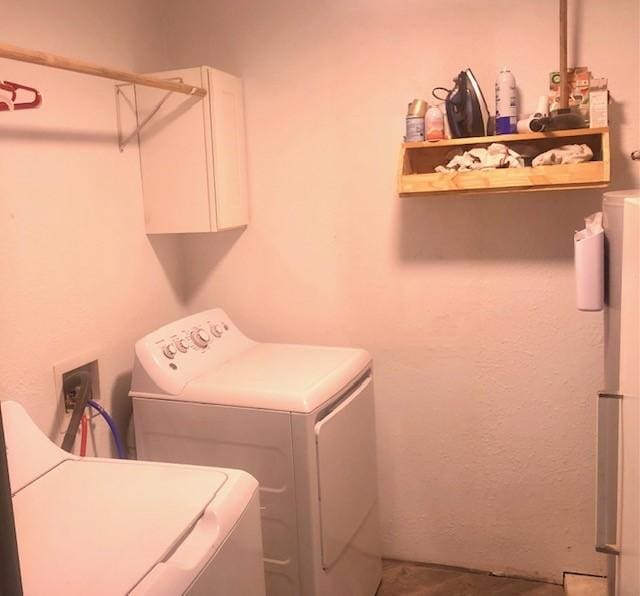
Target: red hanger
4, 106
23, 105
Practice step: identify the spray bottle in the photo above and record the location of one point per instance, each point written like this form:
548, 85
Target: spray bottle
506, 103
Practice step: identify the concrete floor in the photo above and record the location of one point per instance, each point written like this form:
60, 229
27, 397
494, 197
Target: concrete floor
584, 585
400, 578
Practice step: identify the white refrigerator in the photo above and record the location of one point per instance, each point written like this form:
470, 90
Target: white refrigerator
618, 465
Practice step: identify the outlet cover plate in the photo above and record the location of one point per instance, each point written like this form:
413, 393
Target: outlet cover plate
64, 366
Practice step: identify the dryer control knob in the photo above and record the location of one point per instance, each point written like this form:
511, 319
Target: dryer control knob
169, 351
216, 330
200, 337
182, 344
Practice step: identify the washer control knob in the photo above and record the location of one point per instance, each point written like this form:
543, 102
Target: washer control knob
182, 344
169, 351
200, 337
216, 330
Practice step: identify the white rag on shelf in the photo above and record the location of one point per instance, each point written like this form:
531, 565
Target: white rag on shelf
496, 155
564, 155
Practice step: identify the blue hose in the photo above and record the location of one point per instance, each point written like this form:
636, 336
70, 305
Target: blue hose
112, 425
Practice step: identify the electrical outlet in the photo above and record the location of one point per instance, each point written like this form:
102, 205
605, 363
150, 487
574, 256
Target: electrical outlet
63, 370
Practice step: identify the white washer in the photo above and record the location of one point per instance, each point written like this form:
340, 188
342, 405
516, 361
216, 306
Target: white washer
298, 418
111, 527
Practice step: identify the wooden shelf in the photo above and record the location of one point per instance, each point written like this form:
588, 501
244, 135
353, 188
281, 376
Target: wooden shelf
417, 175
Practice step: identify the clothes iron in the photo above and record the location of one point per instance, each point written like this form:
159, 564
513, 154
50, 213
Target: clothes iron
467, 112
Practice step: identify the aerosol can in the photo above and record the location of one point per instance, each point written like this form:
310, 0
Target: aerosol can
506, 103
415, 120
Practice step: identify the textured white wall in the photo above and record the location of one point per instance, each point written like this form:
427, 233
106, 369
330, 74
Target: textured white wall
78, 271
485, 373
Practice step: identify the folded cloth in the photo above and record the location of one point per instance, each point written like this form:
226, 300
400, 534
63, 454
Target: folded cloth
496, 155
563, 155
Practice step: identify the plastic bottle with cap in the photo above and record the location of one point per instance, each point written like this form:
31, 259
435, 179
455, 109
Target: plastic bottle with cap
434, 124
506, 103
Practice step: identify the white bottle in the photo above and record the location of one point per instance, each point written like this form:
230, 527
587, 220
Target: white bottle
434, 124
506, 103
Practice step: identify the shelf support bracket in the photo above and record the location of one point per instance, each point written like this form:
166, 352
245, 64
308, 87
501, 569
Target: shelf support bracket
122, 140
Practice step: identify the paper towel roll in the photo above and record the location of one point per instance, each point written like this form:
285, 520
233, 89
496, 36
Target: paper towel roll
589, 263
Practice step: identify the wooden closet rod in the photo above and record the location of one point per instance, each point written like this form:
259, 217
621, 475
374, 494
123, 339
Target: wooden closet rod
54, 61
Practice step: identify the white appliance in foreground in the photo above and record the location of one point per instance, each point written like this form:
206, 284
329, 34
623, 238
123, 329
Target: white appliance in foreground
618, 481
111, 527
299, 418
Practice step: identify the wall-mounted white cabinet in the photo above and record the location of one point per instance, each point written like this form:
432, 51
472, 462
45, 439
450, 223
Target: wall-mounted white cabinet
193, 154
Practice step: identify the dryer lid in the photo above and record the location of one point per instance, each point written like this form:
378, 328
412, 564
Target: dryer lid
618, 197
281, 377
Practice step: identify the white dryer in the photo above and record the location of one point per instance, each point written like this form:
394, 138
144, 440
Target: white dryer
109, 527
298, 418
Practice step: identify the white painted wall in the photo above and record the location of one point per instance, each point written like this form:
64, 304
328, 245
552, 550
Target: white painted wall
486, 375
78, 271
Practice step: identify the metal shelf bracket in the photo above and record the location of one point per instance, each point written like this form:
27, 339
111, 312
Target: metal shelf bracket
121, 96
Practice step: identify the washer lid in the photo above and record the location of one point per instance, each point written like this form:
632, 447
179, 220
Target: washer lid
30, 454
280, 377
99, 527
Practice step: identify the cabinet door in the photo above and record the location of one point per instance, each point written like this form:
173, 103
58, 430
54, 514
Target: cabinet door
175, 158
229, 150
